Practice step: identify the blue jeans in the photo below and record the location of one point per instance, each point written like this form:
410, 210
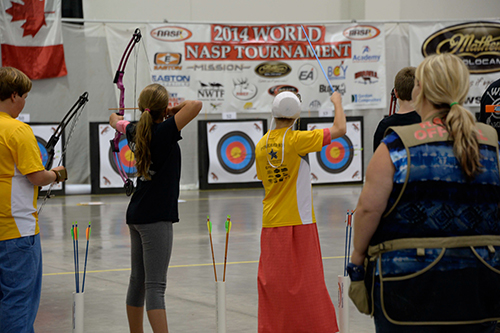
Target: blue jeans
382, 325
20, 283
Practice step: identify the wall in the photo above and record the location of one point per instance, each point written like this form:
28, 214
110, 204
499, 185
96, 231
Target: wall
87, 56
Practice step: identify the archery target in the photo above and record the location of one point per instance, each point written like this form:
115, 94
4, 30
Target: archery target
337, 156
42, 133
125, 158
231, 150
235, 152
341, 161
44, 155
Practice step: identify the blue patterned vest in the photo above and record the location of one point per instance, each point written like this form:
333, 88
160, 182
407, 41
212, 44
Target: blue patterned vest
436, 199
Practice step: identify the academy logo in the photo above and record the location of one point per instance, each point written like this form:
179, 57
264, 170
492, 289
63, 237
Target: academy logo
366, 56
307, 74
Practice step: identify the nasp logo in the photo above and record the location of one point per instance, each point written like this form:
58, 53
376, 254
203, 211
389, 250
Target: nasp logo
307, 74
337, 72
361, 32
171, 34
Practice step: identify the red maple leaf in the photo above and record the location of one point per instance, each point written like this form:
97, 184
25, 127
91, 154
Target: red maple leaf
32, 11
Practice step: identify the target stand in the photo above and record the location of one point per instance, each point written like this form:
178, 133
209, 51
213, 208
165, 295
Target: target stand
226, 153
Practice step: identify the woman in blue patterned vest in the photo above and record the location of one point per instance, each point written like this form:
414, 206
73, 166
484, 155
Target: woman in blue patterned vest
427, 225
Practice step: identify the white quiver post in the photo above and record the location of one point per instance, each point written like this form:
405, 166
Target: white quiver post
78, 309
220, 306
343, 315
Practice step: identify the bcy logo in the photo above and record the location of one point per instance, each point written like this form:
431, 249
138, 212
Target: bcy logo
244, 90
211, 91
337, 72
307, 74
168, 61
366, 77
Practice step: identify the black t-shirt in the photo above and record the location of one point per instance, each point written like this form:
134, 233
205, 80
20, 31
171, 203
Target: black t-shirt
491, 97
157, 199
396, 119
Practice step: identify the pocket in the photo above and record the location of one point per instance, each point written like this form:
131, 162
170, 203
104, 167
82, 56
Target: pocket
445, 286
359, 296
25, 243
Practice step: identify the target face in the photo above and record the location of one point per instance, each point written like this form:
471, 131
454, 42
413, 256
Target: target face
43, 152
125, 158
337, 156
235, 152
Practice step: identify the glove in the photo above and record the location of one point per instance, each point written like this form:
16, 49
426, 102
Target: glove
356, 273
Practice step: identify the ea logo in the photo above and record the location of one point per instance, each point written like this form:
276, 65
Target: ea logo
307, 74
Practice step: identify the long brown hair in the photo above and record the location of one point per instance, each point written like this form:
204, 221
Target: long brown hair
153, 103
444, 81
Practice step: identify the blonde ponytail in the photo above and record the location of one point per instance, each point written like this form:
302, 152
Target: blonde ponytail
153, 102
444, 82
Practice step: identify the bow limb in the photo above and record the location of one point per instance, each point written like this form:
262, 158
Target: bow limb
118, 80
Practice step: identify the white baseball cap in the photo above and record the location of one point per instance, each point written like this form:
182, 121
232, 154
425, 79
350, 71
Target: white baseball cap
286, 105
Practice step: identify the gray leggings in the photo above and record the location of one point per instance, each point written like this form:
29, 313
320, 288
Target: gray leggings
151, 249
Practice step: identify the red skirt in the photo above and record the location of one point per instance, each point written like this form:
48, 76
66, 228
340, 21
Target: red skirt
291, 282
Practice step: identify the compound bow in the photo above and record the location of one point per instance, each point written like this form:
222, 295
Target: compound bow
118, 80
73, 114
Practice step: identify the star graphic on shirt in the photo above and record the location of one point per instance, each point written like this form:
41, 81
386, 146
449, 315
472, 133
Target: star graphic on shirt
273, 154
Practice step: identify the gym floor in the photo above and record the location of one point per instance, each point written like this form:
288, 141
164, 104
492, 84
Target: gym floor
190, 295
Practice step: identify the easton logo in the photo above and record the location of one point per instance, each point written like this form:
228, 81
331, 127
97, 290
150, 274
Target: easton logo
171, 34
477, 43
361, 32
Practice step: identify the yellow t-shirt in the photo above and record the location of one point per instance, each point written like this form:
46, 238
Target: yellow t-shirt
19, 156
288, 199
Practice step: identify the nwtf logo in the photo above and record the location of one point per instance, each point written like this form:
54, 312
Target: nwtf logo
211, 91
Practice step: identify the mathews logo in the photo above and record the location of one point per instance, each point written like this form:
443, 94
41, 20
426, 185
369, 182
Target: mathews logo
338, 87
171, 34
283, 87
211, 91
477, 43
366, 77
167, 60
172, 80
244, 90
307, 74
271, 70
337, 72
361, 32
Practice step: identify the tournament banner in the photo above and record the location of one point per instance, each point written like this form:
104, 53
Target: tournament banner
105, 177
227, 152
43, 132
233, 68
476, 43
342, 160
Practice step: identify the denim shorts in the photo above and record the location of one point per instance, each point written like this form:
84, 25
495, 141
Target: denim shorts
20, 283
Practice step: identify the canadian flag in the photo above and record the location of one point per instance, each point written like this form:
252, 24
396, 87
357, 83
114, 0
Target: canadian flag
31, 37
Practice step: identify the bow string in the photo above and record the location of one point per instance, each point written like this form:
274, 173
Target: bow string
118, 80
